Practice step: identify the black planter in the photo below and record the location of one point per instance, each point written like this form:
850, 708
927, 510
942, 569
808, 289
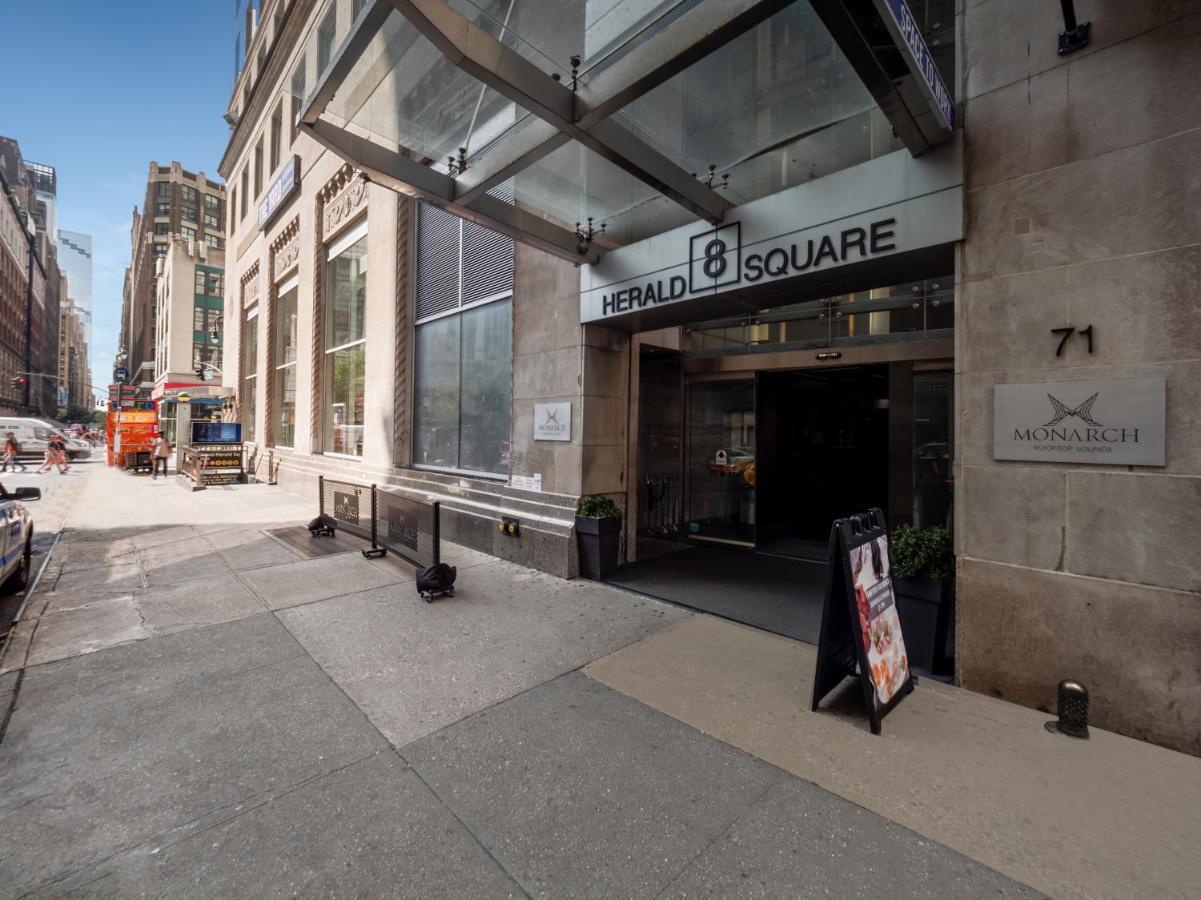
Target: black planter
599, 541
924, 606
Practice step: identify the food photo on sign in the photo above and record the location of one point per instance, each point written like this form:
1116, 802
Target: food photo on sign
879, 623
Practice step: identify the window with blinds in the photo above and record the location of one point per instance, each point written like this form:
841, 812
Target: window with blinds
459, 263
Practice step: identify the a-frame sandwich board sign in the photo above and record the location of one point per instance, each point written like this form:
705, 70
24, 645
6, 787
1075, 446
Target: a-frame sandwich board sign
860, 626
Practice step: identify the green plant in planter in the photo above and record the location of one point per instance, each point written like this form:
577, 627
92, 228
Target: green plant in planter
921, 552
598, 506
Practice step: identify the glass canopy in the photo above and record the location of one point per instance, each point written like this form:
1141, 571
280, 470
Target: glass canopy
601, 109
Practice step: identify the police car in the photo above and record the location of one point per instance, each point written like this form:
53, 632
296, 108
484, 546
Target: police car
16, 537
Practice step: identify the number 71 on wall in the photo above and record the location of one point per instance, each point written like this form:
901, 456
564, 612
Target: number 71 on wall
1067, 332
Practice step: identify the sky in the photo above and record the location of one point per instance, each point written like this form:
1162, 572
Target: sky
106, 88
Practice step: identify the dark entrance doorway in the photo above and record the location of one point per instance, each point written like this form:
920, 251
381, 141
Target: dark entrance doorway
823, 453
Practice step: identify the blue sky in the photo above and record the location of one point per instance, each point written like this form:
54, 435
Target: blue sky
104, 89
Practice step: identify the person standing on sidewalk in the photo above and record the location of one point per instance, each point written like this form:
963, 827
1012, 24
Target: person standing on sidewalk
162, 449
11, 450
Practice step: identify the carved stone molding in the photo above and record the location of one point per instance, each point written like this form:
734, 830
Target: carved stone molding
250, 286
285, 250
343, 197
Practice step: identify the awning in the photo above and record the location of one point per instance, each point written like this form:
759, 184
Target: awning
578, 125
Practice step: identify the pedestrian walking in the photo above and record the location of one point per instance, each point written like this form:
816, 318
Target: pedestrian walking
49, 457
11, 450
60, 454
162, 449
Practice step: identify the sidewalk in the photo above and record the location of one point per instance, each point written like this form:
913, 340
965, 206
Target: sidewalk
201, 711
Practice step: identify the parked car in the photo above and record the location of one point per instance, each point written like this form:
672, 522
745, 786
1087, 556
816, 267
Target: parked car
16, 538
32, 435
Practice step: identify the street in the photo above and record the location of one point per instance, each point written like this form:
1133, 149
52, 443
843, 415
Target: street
198, 710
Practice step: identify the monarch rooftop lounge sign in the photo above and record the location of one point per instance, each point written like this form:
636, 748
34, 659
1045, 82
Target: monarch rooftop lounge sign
1113, 422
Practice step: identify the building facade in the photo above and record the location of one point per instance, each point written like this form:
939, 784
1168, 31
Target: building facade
745, 271
178, 204
190, 291
75, 260
29, 286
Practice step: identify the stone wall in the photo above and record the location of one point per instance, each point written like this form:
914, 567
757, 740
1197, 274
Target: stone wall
1083, 208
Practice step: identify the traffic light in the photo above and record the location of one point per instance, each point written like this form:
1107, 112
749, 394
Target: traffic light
17, 382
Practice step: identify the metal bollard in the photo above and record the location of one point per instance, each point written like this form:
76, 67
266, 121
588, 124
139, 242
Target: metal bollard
1072, 704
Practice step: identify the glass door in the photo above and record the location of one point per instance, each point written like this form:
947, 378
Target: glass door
720, 461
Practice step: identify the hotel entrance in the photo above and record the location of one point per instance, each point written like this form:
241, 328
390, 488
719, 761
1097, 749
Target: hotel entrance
758, 433
823, 454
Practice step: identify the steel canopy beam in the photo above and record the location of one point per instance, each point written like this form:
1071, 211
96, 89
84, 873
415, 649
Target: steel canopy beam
371, 19
667, 51
866, 32
490, 62
405, 175
670, 50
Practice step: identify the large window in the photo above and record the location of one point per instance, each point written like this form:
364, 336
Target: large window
464, 390
283, 385
209, 284
298, 87
325, 39
258, 169
345, 343
277, 136
245, 192
187, 232
464, 345
250, 372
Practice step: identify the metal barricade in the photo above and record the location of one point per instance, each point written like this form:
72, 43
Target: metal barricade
350, 505
390, 520
408, 527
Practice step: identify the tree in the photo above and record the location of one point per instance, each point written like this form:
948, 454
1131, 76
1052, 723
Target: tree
76, 414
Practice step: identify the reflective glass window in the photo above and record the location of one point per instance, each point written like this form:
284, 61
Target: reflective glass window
326, 33
464, 390
283, 373
345, 349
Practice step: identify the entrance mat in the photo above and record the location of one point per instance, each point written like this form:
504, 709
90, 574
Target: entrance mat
298, 538
768, 592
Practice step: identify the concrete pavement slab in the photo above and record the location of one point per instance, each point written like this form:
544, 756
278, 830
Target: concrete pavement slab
803, 842
121, 577
580, 792
94, 554
251, 549
372, 829
315, 579
70, 627
455, 554
97, 772
1107, 817
414, 667
159, 536
147, 672
86, 534
186, 560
